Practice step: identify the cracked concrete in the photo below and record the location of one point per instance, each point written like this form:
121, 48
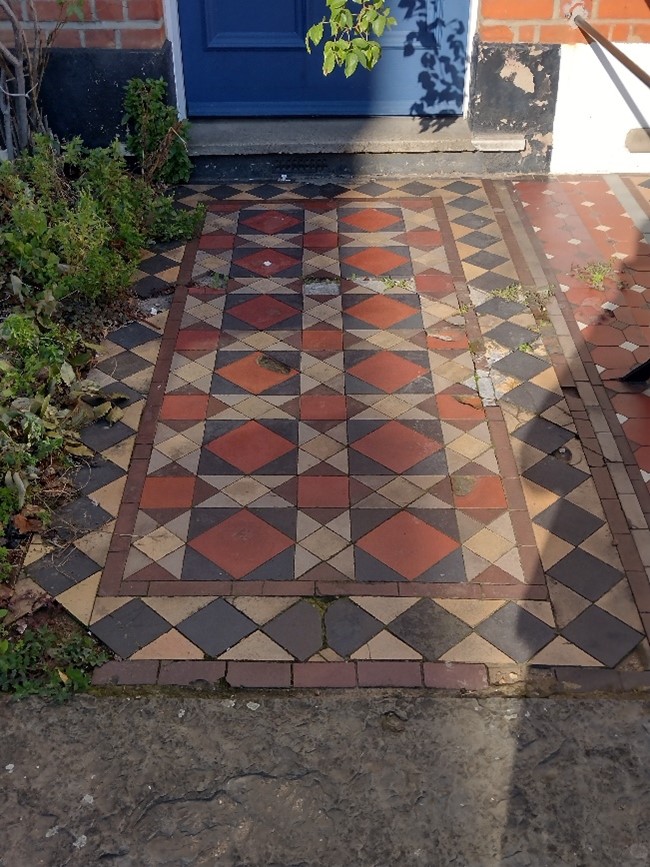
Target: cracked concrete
383, 778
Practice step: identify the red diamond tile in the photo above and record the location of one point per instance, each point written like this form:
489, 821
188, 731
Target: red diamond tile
370, 220
263, 312
248, 374
375, 261
217, 241
271, 222
191, 339
387, 371
323, 492
460, 406
170, 492
478, 492
184, 406
322, 341
319, 239
407, 545
396, 446
241, 543
257, 262
382, 312
250, 447
323, 407
421, 239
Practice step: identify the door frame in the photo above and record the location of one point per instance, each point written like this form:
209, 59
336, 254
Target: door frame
172, 26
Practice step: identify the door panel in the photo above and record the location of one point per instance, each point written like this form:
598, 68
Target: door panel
249, 59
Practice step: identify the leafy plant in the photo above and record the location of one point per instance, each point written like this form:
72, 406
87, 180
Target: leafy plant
41, 662
595, 274
157, 138
353, 34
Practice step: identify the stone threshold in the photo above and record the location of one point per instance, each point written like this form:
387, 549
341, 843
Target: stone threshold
353, 135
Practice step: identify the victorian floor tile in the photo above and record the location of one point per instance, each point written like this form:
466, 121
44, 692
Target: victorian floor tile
363, 434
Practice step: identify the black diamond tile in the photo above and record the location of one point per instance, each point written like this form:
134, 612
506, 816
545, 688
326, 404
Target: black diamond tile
585, 574
467, 203
461, 187
298, 630
472, 221
60, 570
149, 286
516, 632
602, 636
479, 239
491, 281
308, 191
266, 191
217, 627
543, 435
372, 188
500, 307
95, 474
533, 398
156, 263
221, 192
429, 629
101, 435
123, 365
134, 334
415, 188
556, 476
485, 259
522, 365
331, 191
131, 627
79, 517
511, 335
569, 522
348, 627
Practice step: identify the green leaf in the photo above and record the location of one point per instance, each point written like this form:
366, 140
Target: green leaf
351, 63
328, 63
379, 25
314, 34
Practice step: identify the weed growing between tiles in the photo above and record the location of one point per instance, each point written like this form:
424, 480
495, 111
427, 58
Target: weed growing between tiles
74, 224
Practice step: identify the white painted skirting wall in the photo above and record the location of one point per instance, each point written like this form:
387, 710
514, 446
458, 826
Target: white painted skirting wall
174, 35
599, 102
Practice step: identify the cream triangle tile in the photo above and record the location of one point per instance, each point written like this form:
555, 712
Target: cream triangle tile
471, 611
95, 545
180, 525
245, 490
567, 604
344, 562
262, 609
173, 562
537, 498
136, 561
175, 609
177, 447
385, 646
191, 461
257, 646
105, 605
157, 461
503, 526
511, 563
476, 649
619, 602
171, 645
132, 414
467, 526
39, 548
384, 608
489, 545
542, 610
474, 564
120, 454
304, 561
551, 548
158, 544
80, 598
562, 652
219, 501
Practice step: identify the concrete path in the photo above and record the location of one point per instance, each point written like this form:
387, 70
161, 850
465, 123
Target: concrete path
380, 439
325, 780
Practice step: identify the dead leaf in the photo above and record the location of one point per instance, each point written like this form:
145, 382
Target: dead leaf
26, 524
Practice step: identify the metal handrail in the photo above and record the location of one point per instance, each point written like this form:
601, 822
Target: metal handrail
627, 62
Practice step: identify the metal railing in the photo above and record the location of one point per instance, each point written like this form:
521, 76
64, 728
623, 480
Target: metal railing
598, 37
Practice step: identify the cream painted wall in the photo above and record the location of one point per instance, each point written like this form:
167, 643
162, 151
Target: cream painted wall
599, 101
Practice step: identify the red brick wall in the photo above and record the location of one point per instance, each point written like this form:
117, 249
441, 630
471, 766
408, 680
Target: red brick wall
548, 21
107, 24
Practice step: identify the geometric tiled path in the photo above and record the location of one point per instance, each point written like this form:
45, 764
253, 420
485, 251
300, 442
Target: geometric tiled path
378, 440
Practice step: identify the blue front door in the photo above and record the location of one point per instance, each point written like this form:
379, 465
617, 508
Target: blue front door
247, 58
